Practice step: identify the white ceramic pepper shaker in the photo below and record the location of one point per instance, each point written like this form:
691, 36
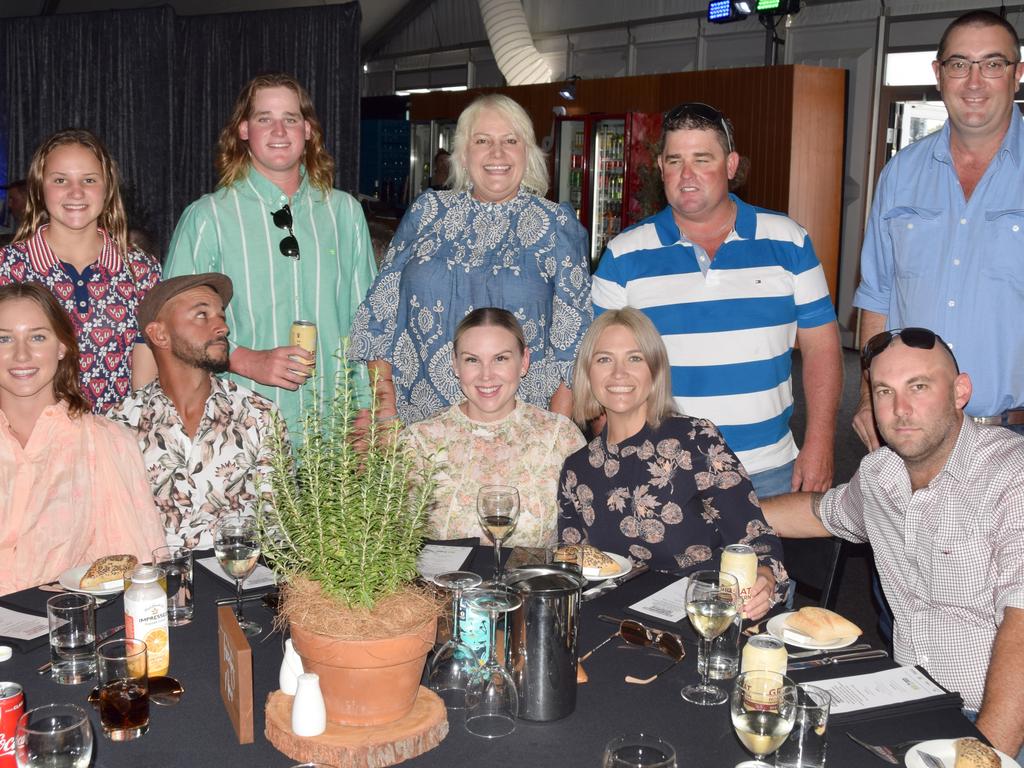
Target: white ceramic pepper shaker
291, 668
309, 715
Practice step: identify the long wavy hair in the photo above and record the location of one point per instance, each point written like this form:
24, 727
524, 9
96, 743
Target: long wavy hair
535, 177
660, 404
113, 218
65, 383
232, 159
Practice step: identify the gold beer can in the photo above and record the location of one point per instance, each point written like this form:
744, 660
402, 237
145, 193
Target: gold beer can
741, 561
303, 335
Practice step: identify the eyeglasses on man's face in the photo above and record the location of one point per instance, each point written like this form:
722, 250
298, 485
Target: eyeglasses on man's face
959, 67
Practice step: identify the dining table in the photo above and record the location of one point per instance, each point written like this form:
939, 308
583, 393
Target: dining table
198, 732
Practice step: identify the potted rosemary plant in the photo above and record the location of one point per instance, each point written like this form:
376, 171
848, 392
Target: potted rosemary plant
347, 526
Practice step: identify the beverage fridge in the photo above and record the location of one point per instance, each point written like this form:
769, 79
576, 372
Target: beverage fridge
606, 169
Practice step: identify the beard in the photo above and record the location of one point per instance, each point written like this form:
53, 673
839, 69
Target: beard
212, 356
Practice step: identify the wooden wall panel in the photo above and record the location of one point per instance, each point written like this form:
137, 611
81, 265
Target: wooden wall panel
789, 122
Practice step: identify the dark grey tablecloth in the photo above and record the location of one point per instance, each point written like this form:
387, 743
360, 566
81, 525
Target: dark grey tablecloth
198, 732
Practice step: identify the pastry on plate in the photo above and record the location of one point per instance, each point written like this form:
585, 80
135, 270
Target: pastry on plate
821, 625
971, 753
587, 557
108, 572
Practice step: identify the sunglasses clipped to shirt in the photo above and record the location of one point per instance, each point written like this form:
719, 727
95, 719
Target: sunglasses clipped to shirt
918, 338
283, 220
701, 111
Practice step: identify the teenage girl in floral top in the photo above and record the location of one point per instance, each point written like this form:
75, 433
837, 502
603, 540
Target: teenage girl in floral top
491, 437
662, 488
74, 241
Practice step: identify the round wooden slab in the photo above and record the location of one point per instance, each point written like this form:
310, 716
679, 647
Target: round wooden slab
360, 747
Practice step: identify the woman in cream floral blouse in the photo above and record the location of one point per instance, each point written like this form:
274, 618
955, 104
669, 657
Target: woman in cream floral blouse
493, 438
662, 488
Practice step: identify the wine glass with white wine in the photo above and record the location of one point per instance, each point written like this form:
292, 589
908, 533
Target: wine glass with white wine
712, 599
236, 544
763, 708
497, 508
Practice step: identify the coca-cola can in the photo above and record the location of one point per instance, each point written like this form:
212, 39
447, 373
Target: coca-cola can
12, 705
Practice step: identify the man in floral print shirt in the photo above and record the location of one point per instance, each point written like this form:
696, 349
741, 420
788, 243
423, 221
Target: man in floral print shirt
206, 441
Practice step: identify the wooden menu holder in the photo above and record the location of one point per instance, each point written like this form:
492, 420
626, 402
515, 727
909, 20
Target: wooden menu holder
235, 673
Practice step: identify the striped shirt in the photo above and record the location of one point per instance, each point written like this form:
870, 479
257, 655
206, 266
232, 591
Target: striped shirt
232, 231
950, 555
729, 324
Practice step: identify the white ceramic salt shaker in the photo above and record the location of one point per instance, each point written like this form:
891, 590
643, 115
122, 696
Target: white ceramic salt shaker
291, 668
309, 716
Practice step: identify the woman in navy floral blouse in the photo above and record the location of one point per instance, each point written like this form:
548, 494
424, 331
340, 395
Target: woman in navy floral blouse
662, 488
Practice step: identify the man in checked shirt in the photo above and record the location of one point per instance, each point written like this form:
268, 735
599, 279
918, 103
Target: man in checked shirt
942, 505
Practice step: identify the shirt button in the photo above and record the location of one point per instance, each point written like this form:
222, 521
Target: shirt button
963, 221
81, 304
956, 262
952, 303
80, 283
1015, 227
924, 659
910, 226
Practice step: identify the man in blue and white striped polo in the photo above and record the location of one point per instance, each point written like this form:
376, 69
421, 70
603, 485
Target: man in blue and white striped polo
731, 288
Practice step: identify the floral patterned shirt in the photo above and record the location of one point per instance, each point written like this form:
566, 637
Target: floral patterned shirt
102, 301
525, 449
452, 254
671, 497
223, 470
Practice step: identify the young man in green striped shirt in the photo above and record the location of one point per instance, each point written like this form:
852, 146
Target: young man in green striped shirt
294, 247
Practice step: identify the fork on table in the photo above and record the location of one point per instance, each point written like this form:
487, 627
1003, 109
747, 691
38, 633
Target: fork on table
892, 753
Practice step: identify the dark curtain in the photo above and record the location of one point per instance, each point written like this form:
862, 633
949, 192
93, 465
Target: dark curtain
158, 88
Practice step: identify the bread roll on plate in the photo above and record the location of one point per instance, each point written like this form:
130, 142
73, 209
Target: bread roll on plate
971, 753
821, 625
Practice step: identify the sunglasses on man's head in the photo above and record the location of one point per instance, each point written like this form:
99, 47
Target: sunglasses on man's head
918, 338
283, 220
701, 111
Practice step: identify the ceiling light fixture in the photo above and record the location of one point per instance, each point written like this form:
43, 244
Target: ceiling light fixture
568, 89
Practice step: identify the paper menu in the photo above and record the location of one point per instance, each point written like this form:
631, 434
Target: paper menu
260, 577
878, 689
440, 558
22, 626
668, 604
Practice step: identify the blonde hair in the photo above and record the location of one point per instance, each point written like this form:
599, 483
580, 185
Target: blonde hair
232, 159
660, 403
112, 218
490, 317
535, 177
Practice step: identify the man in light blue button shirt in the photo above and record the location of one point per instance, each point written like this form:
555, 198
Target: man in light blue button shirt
944, 246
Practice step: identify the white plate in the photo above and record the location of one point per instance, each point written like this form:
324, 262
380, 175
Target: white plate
72, 577
777, 627
625, 566
946, 752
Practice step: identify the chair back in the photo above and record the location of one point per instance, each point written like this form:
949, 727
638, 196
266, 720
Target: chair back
816, 566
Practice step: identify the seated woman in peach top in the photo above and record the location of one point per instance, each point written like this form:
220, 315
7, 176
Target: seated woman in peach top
72, 485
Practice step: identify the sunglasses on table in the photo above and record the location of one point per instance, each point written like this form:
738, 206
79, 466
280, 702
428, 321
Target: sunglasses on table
635, 633
283, 220
918, 338
701, 111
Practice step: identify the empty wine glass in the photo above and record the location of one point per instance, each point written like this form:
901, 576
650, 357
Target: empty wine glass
638, 750
236, 544
497, 507
712, 599
53, 736
453, 666
763, 708
492, 701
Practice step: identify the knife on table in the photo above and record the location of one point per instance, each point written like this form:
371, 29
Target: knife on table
99, 639
609, 584
829, 651
862, 656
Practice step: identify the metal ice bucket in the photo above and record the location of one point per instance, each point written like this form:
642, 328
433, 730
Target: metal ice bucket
543, 640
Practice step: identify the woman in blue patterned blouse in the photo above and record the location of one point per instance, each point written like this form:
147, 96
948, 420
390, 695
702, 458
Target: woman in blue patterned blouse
658, 487
492, 240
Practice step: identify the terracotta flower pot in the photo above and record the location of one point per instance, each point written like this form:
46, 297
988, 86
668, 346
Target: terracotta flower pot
366, 682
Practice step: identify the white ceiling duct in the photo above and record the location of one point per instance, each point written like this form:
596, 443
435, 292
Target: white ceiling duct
518, 58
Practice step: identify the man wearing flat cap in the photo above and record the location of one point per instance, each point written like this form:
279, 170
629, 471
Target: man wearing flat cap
206, 441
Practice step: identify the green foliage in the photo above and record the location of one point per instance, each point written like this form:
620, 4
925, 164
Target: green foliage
350, 509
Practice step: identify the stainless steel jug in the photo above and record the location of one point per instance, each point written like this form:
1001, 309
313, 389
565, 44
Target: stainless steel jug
543, 640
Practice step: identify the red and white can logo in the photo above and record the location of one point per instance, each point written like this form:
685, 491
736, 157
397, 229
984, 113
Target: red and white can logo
12, 705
